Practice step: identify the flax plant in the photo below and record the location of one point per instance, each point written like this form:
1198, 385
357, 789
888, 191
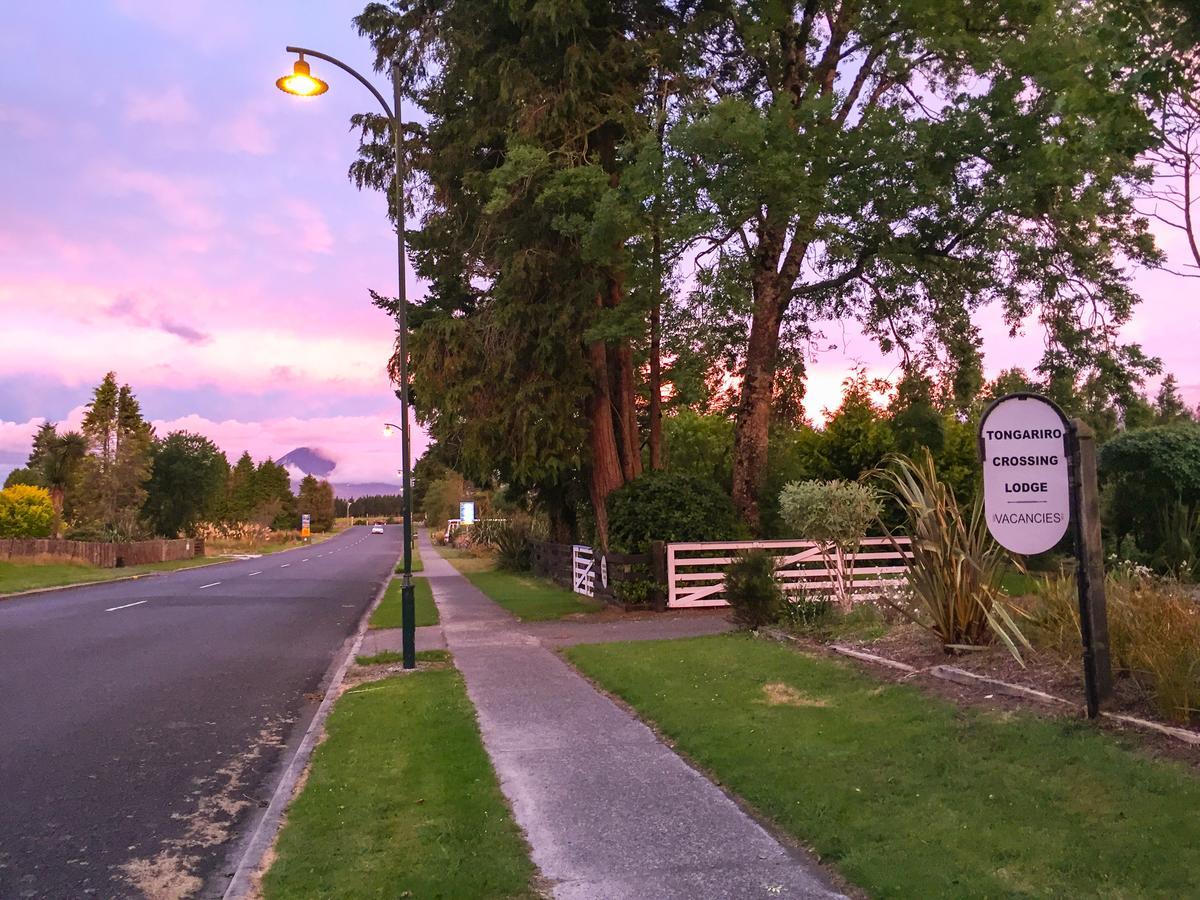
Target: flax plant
955, 570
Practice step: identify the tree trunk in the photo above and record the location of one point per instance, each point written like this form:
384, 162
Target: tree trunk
606, 471
631, 445
754, 407
656, 462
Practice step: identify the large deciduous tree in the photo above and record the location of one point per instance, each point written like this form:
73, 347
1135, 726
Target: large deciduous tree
903, 163
187, 479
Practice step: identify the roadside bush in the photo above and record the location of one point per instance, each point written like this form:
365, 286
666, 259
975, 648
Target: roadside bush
835, 513
513, 548
486, 532
751, 590
955, 571
668, 506
26, 512
1153, 633
236, 534
1146, 472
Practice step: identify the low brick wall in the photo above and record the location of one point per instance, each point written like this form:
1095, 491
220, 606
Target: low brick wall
106, 556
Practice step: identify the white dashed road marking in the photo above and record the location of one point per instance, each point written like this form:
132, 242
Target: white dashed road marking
254, 573
126, 606
285, 565
214, 584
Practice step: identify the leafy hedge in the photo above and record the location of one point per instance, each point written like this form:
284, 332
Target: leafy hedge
667, 506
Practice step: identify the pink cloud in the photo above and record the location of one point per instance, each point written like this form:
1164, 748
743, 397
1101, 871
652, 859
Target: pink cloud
169, 106
355, 443
182, 201
23, 122
245, 133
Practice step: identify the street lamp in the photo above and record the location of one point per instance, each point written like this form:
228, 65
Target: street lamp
301, 83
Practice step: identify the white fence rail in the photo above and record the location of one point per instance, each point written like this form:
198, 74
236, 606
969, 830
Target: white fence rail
696, 571
583, 570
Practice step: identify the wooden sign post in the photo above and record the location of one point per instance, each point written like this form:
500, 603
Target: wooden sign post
1039, 476
1089, 571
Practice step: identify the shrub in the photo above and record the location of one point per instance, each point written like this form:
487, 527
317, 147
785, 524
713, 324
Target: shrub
239, 534
956, 567
667, 506
1179, 543
804, 612
638, 588
513, 548
26, 512
1153, 633
751, 589
486, 532
835, 513
1145, 472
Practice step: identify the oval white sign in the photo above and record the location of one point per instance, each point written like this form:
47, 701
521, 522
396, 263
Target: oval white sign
1026, 479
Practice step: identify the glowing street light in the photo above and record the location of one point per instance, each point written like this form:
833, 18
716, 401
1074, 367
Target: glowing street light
301, 83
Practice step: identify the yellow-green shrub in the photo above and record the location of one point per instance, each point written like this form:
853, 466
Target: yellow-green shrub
26, 512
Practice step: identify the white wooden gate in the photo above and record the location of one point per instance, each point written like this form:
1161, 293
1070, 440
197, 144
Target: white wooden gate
583, 570
696, 571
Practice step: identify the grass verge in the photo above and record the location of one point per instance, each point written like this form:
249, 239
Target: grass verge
417, 565
387, 613
529, 598
401, 801
908, 795
526, 596
17, 577
395, 656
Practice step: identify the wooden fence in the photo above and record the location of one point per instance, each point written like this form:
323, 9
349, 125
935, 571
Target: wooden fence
577, 568
696, 571
106, 556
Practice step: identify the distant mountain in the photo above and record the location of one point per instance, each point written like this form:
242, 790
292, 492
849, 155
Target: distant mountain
309, 461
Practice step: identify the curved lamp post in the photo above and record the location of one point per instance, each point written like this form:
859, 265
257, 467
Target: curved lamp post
301, 83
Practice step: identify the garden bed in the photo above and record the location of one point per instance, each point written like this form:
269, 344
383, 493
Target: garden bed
911, 646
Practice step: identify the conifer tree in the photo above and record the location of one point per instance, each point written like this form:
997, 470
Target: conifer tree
113, 474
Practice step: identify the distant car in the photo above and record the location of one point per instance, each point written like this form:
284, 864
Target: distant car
377, 528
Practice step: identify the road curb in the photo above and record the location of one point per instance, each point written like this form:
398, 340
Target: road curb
80, 584
261, 840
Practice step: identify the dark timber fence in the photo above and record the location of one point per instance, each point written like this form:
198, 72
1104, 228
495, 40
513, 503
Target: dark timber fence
621, 579
106, 556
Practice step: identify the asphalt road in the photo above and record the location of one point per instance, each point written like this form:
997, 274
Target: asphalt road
142, 724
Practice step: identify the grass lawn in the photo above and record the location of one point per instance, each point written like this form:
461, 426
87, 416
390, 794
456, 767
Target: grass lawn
908, 795
417, 565
530, 598
526, 596
387, 613
401, 801
15, 577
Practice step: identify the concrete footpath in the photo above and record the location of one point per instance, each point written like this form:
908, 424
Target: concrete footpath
609, 810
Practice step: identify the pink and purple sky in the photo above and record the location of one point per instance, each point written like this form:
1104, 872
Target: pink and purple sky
169, 214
